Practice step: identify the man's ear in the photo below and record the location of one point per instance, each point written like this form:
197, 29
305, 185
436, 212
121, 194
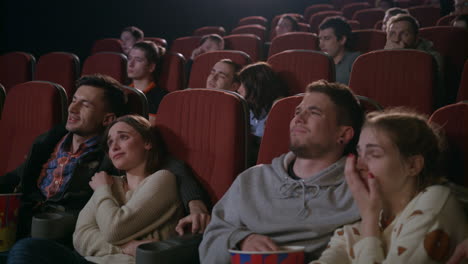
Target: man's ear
108, 118
152, 67
148, 146
343, 40
345, 135
415, 164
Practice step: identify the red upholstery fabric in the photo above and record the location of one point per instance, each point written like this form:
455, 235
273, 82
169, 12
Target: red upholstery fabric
427, 16
303, 27
136, 101
2, 99
275, 140
248, 43
276, 19
107, 45
257, 30
172, 76
208, 130
298, 68
368, 17
59, 67
396, 77
339, 4
158, 41
349, 9
294, 40
30, 109
313, 9
368, 40
185, 45
108, 63
253, 20
378, 25
446, 20
416, 3
463, 89
355, 25
15, 68
402, 3
454, 121
452, 44
209, 30
317, 18
203, 64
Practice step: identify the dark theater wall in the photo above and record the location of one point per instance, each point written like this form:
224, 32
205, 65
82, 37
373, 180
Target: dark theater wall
39, 27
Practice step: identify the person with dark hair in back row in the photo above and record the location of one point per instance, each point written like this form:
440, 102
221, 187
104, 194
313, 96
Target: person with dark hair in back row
211, 42
130, 36
286, 24
335, 40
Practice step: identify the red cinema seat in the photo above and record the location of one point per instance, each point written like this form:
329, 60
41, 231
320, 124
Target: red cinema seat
313, 9
396, 78
136, 102
276, 19
463, 89
355, 25
294, 40
317, 18
378, 25
209, 30
158, 41
368, 17
298, 68
203, 64
453, 119
15, 68
446, 20
185, 45
339, 4
427, 16
2, 99
248, 43
257, 30
452, 44
366, 40
107, 63
349, 9
303, 27
59, 67
253, 20
208, 130
30, 109
402, 3
107, 45
172, 77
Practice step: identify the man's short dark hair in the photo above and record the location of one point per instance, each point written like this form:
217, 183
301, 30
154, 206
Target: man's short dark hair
113, 91
293, 20
136, 32
213, 37
340, 26
414, 24
349, 111
237, 67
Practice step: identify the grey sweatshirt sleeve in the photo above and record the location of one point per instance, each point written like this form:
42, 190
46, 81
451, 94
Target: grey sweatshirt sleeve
225, 230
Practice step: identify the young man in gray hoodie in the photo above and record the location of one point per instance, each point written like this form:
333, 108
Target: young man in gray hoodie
302, 197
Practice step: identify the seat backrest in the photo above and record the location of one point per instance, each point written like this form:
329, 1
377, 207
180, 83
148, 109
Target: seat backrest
294, 40
15, 68
136, 102
312, 9
349, 9
298, 68
30, 109
463, 89
107, 45
253, 20
317, 18
396, 78
366, 40
354, 24
339, 4
185, 45
248, 43
303, 27
108, 63
427, 16
276, 19
158, 41
378, 25
203, 64
59, 67
452, 44
368, 17
453, 119
209, 30
257, 30
446, 20
2, 99
172, 76
207, 129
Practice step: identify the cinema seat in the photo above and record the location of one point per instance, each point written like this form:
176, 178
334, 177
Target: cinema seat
209, 30
463, 89
427, 16
313, 9
317, 18
185, 45
172, 77
446, 20
136, 102
275, 20
15, 68
107, 63
257, 30
2, 99
158, 41
107, 45
59, 67
368, 17
294, 40
366, 40
30, 109
248, 43
253, 20
349, 9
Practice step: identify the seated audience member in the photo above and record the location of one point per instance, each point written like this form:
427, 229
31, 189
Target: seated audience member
461, 21
335, 39
124, 211
384, 4
391, 13
224, 76
211, 42
461, 7
61, 162
130, 36
143, 68
406, 215
286, 24
302, 197
261, 87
